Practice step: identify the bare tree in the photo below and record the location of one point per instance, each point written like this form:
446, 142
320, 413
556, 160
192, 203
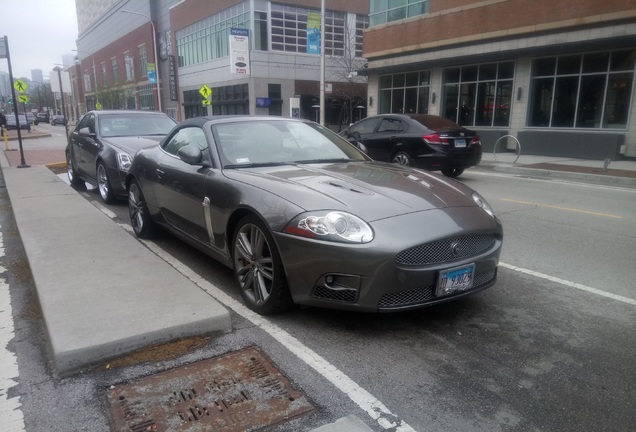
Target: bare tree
348, 85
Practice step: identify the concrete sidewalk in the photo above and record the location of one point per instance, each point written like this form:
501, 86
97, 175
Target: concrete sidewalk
97, 297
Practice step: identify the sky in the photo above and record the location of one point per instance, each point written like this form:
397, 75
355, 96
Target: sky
39, 32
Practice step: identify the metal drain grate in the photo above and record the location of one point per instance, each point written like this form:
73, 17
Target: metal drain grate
238, 391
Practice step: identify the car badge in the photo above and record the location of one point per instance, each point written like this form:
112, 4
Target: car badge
461, 134
455, 249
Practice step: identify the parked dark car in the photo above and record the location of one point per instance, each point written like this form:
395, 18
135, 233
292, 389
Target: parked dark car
420, 140
303, 216
102, 146
11, 124
41, 117
58, 120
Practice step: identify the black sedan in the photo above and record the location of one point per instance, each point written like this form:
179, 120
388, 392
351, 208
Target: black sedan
302, 216
420, 140
23, 122
58, 120
41, 117
102, 145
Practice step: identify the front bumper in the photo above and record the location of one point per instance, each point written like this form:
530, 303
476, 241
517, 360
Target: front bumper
375, 277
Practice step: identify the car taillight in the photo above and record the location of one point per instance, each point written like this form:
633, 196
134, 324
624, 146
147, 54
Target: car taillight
476, 140
435, 139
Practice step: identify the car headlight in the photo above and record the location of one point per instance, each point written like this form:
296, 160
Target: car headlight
124, 160
481, 202
331, 225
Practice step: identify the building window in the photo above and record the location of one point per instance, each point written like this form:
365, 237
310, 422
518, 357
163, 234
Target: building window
591, 90
404, 93
192, 105
143, 60
104, 75
208, 39
113, 62
384, 11
289, 30
230, 100
478, 95
129, 65
87, 81
146, 97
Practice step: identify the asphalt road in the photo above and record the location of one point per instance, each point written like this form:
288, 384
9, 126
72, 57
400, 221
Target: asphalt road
552, 347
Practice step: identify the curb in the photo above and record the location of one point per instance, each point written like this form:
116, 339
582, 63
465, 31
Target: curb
549, 174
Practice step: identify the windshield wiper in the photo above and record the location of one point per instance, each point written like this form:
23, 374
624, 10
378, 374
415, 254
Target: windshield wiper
310, 161
256, 165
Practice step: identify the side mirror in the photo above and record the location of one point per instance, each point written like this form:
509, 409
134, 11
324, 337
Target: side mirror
190, 154
85, 132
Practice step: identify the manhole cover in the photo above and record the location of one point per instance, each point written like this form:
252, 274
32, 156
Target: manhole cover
239, 391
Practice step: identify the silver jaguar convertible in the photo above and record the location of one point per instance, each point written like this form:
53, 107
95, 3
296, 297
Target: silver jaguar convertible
302, 216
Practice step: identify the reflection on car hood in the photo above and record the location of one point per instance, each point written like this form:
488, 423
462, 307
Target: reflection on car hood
371, 190
131, 144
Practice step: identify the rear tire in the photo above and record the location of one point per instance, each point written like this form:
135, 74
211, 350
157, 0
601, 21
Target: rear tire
258, 268
402, 158
142, 224
452, 172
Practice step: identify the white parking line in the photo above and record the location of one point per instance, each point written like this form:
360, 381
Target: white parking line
570, 284
11, 416
365, 400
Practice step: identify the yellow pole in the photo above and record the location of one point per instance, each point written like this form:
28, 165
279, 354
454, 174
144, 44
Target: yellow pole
6, 141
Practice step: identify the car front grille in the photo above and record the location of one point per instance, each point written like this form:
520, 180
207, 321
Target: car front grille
424, 295
445, 250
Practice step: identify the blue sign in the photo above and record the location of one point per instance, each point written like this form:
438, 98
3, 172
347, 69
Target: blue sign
152, 77
239, 32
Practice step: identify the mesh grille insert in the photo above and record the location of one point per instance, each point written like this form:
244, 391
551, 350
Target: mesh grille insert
423, 295
446, 250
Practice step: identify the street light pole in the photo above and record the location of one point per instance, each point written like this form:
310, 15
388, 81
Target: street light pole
94, 75
59, 76
154, 45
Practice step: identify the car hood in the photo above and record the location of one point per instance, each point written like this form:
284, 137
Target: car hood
371, 190
131, 144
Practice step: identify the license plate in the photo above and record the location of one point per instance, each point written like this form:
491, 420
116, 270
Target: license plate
460, 143
455, 280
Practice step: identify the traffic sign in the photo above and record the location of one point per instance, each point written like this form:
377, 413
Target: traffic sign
205, 91
98, 106
20, 85
206, 102
23, 98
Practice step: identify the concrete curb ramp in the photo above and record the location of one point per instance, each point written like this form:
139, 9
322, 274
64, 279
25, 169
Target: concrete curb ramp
102, 293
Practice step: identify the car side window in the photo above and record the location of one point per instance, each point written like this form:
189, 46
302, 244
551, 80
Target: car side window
187, 136
88, 121
365, 126
391, 125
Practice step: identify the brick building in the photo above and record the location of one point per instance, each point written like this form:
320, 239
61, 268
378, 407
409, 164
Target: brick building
557, 74
278, 69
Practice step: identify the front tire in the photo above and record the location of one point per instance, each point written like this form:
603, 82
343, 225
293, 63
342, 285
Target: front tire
258, 268
142, 224
103, 184
452, 172
73, 178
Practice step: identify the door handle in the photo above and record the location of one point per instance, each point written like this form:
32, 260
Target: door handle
159, 173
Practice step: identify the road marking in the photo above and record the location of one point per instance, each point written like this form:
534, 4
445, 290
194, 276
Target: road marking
562, 208
365, 400
11, 418
571, 284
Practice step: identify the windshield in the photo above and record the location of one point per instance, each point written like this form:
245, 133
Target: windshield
275, 142
134, 125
